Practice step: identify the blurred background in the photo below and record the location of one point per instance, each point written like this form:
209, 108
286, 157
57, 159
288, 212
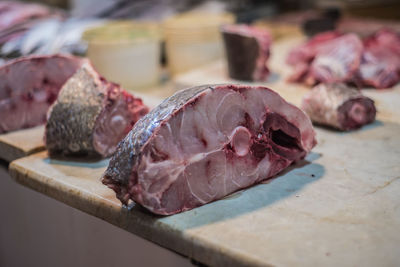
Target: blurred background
144, 43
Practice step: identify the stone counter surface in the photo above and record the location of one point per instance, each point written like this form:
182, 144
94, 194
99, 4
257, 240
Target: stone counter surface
18, 144
338, 207
37, 231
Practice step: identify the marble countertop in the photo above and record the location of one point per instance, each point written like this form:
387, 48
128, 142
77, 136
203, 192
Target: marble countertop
338, 207
18, 144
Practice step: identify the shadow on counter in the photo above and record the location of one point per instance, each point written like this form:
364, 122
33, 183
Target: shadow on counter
286, 184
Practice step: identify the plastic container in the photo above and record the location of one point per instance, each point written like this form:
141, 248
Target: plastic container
127, 53
193, 40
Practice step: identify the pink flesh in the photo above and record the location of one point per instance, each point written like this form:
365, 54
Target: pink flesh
300, 72
223, 141
337, 60
384, 38
356, 112
332, 57
20, 116
116, 120
306, 52
111, 127
328, 57
241, 141
28, 88
380, 66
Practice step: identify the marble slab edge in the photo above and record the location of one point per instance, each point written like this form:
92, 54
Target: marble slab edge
22, 143
136, 221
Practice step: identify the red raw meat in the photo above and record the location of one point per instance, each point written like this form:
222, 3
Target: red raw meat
328, 57
247, 51
206, 142
337, 60
29, 85
380, 65
332, 57
338, 106
305, 53
91, 116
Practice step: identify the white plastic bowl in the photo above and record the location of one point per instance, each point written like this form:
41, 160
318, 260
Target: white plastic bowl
126, 53
193, 40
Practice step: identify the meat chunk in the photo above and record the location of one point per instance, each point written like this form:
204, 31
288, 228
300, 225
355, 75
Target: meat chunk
328, 57
90, 116
29, 85
336, 61
332, 57
380, 65
206, 142
305, 53
338, 106
247, 51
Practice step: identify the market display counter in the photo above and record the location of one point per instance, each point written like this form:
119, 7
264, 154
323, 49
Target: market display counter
338, 207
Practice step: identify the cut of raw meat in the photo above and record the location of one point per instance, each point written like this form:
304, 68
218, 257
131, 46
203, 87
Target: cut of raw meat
338, 106
337, 60
332, 57
380, 65
247, 51
206, 142
305, 53
386, 38
90, 116
328, 57
29, 85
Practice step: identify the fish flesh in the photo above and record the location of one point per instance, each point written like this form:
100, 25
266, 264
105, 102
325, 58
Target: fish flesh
206, 142
29, 85
90, 116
